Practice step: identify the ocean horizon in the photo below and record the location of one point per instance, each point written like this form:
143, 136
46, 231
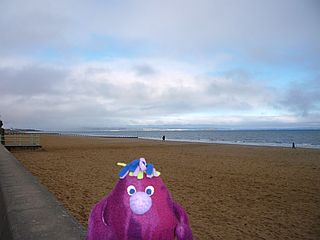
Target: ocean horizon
276, 138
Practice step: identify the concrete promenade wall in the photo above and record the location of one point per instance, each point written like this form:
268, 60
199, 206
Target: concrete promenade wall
27, 209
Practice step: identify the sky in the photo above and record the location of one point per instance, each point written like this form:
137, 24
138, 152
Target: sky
70, 64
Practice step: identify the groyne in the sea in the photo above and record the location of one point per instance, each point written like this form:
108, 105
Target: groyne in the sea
28, 210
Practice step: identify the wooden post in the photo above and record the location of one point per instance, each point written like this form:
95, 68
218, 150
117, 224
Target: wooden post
2, 136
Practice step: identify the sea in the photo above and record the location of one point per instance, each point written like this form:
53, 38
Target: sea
278, 138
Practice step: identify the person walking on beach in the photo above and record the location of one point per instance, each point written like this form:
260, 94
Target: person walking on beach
163, 138
293, 145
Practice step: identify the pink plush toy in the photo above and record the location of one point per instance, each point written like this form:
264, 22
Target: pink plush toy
138, 208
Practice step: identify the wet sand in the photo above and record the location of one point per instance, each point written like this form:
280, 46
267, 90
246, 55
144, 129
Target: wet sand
229, 191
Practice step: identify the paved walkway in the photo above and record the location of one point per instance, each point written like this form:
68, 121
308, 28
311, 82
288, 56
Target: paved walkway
28, 210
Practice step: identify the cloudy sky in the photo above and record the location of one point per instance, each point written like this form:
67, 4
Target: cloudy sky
220, 63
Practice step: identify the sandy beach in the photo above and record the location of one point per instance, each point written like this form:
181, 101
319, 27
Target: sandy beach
229, 191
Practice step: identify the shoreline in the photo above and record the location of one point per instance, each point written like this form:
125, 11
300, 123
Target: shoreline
303, 146
276, 145
236, 143
228, 191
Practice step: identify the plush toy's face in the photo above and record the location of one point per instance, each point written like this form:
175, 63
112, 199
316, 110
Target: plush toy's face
140, 201
142, 196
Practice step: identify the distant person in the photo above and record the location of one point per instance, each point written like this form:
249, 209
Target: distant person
163, 138
293, 145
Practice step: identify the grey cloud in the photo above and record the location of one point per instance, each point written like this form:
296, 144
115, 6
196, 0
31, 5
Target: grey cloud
238, 90
236, 74
32, 24
209, 26
212, 94
31, 80
302, 97
144, 70
51, 114
171, 27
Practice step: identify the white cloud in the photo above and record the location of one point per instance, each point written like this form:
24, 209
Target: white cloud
111, 93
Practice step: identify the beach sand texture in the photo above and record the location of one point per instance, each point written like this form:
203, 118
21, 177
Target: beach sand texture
229, 191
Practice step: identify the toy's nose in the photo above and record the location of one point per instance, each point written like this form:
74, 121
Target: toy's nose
140, 203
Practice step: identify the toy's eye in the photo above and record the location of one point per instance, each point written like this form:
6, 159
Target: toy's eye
149, 190
131, 190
